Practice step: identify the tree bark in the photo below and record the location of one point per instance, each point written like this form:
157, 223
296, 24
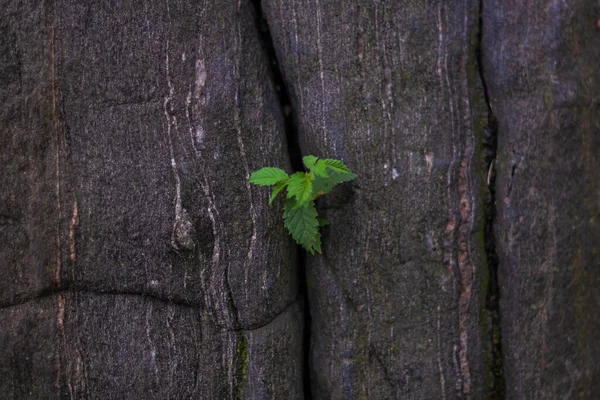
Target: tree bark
138, 262
541, 65
393, 89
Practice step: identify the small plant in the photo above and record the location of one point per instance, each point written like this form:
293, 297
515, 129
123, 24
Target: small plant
303, 188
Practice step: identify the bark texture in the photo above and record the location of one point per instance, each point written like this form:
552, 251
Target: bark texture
541, 65
137, 261
392, 88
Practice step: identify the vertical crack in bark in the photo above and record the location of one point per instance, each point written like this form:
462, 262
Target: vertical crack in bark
280, 87
295, 155
492, 300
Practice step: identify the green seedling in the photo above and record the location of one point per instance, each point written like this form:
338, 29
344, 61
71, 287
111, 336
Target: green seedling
303, 188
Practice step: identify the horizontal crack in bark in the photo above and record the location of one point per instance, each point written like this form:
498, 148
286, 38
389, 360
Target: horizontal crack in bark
169, 302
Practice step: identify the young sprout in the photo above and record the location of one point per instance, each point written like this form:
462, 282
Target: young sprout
299, 212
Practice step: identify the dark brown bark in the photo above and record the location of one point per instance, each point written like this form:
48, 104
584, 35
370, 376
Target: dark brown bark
541, 65
137, 261
393, 89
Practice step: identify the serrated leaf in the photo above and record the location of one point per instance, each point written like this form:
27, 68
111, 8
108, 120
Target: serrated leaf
300, 186
315, 166
336, 165
309, 161
303, 225
278, 188
316, 244
300, 215
268, 176
325, 185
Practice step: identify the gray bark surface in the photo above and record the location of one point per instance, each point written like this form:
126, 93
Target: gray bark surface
392, 89
137, 261
541, 65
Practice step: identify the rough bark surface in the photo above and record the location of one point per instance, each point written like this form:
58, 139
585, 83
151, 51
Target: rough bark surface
541, 66
392, 88
137, 261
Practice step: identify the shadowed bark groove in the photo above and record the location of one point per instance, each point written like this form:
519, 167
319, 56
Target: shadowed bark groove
491, 327
295, 154
164, 301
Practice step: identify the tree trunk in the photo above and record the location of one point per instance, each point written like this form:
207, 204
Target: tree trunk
541, 65
394, 90
138, 262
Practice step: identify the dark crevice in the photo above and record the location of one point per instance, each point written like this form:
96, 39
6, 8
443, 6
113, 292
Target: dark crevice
492, 300
295, 155
512, 175
306, 333
281, 90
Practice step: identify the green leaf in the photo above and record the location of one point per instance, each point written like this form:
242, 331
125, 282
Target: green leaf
309, 161
316, 244
325, 185
336, 165
268, 176
315, 166
300, 215
300, 186
278, 188
303, 225
322, 222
